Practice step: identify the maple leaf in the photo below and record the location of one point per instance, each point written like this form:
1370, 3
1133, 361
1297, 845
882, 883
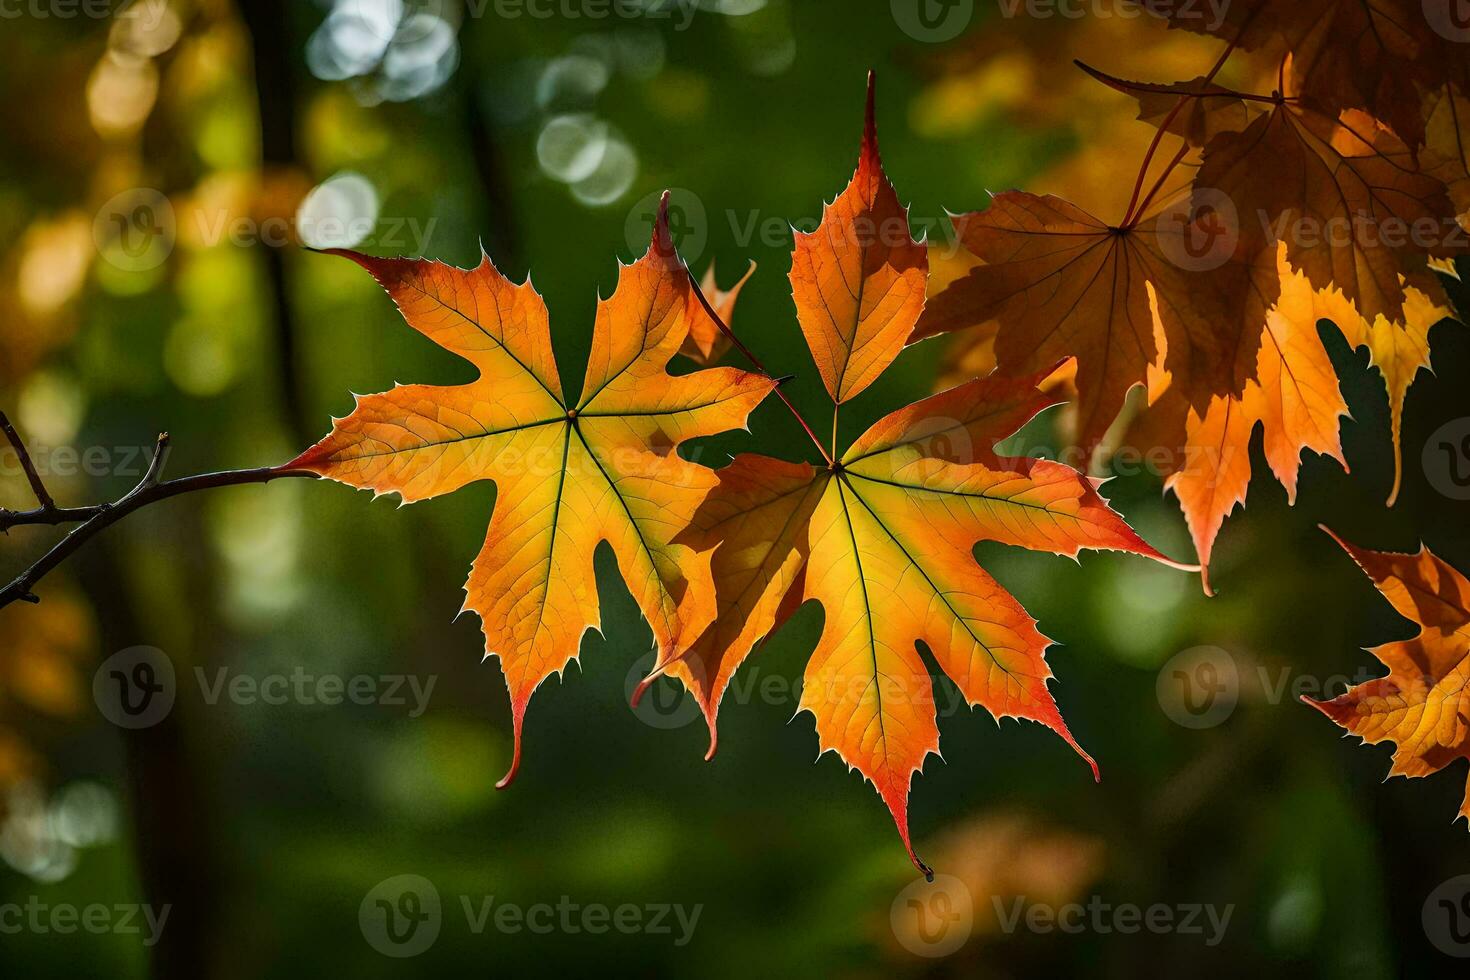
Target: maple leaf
859, 278
971, 350
1354, 183
948, 310
1062, 283
883, 536
1196, 111
1294, 397
1446, 154
706, 342
1365, 54
568, 475
1346, 195
1399, 351
882, 539
1423, 704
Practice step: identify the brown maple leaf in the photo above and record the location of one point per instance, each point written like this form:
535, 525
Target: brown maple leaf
1062, 283
1345, 54
1347, 196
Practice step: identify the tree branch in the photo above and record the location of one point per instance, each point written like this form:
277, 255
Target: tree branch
94, 519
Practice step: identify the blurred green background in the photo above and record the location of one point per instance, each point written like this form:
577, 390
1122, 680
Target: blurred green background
225, 135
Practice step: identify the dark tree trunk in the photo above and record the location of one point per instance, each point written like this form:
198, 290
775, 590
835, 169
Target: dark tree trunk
275, 57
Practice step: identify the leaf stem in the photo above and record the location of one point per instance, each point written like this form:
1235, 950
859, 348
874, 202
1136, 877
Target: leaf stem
1148, 198
755, 362
1130, 216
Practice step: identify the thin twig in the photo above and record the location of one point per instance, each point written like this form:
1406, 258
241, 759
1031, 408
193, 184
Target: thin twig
155, 465
755, 362
43, 515
37, 487
94, 519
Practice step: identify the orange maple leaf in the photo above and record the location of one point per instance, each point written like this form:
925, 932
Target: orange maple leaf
1295, 400
1423, 704
1354, 183
568, 475
883, 535
859, 279
882, 538
1294, 397
1399, 351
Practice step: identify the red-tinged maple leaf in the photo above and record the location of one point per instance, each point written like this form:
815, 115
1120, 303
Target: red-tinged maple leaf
883, 535
568, 475
1423, 704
